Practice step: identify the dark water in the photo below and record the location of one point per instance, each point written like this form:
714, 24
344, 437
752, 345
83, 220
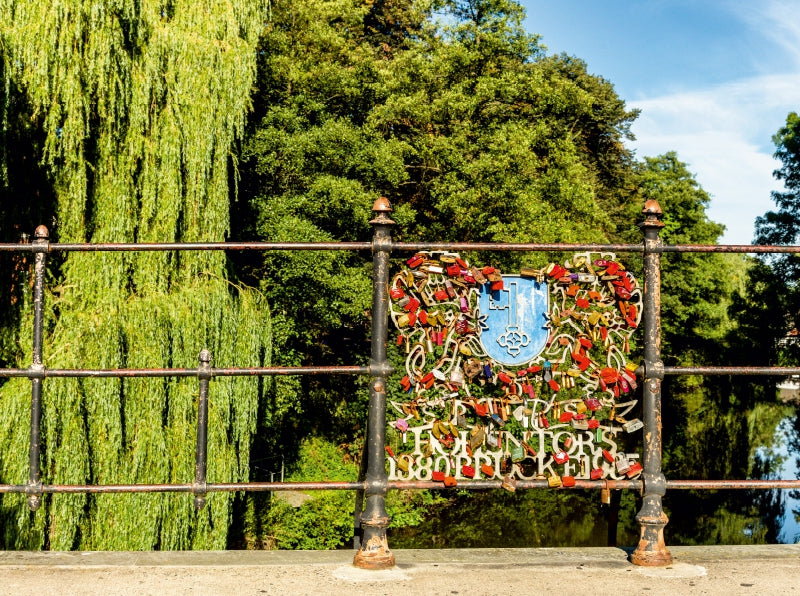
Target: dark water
541, 518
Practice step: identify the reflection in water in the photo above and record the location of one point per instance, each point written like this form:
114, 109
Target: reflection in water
788, 441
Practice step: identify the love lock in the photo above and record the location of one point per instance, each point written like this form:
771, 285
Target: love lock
622, 464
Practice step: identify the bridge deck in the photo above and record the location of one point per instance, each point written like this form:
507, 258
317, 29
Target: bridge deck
728, 570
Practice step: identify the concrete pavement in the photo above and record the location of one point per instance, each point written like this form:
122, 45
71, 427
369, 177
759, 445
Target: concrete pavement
728, 570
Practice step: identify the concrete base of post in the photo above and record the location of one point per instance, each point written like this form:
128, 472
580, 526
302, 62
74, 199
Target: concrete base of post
375, 554
652, 550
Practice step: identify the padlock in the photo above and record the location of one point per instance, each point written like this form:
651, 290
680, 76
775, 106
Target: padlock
593, 404
568, 481
440, 295
412, 305
396, 293
607, 456
434, 269
633, 425
554, 481
530, 450
403, 462
596, 473
468, 471
478, 275
622, 464
565, 417
517, 453
450, 481
405, 383
634, 470
605, 496
592, 424
415, 261
509, 483
580, 424
560, 457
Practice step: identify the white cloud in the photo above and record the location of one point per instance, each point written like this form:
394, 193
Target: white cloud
724, 134
776, 20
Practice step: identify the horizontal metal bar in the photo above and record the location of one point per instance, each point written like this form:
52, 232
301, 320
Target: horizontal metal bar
507, 246
727, 248
335, 370
731, 484
397, 485
775, 371
184, 372
181, 246
396, 246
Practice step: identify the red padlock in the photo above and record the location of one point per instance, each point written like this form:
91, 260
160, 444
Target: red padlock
468, 471
437, 476
415, 261
568, 481
634, 470
561, 457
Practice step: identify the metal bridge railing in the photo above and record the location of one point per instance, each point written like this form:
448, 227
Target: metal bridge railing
371, 523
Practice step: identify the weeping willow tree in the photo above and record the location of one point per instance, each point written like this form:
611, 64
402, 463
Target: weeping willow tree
140, 102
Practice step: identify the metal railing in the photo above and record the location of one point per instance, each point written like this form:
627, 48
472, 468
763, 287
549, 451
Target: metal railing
372, 523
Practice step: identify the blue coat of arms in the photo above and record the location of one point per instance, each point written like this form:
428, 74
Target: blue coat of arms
513, 320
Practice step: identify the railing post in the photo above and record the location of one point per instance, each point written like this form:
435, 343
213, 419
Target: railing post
201, 450
34, 488
652, 550
374, 550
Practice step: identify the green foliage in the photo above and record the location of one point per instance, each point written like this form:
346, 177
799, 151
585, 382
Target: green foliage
325, 520
140, 104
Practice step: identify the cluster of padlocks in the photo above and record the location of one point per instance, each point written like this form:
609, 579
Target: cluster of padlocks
514, 376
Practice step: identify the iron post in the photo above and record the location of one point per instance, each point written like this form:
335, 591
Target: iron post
201, 450
651, 550
373, 552
34, 488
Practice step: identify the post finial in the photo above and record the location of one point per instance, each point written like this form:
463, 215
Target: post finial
652, 214
382, 205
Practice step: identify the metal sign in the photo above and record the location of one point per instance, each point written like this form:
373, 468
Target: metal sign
513, 323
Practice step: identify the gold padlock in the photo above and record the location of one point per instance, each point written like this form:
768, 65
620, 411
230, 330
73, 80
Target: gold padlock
554, 481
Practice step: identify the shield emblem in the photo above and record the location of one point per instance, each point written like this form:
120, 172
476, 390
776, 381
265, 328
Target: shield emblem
513, 327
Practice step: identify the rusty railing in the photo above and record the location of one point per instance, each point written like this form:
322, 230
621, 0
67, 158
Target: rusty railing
371, 523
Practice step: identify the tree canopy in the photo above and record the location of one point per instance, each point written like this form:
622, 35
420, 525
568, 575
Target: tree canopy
203, 121
139, 104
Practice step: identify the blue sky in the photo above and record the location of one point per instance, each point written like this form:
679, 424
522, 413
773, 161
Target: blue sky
714, 81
